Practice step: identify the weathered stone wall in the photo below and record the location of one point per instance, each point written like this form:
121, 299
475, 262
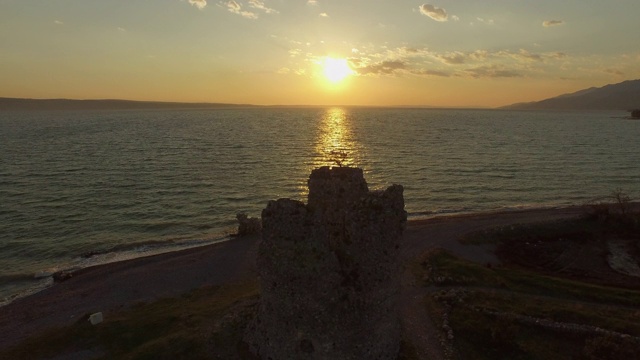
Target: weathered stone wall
329, 272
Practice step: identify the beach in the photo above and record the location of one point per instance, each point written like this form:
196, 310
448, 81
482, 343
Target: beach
114, 287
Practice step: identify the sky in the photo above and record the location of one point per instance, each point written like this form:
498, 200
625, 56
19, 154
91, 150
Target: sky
441, 53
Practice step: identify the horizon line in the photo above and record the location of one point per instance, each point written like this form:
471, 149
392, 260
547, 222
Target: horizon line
218, 104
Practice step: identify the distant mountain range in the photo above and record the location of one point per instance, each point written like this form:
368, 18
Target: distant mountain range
66, 104
621, 96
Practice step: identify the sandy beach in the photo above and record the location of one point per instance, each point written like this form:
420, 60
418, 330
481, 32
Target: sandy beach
113, 287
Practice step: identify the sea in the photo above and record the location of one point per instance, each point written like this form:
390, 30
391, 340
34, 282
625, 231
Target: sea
81, 188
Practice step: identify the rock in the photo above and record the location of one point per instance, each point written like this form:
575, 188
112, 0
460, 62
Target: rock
247, 225
635, 114
329, 272
61, 276
96, 318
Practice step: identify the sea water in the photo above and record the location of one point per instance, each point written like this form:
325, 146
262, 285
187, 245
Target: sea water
79, 188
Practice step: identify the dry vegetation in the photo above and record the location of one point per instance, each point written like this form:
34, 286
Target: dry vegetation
205, 324
560, 292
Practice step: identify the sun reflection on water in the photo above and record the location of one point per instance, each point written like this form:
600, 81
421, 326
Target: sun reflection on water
336, 145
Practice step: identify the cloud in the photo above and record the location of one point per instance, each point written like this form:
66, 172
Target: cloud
432, 73
58, 22
527, 56
121, 29
549, 23
408, 61
236, 8
486, 21
323, 15
312, 2
556, 55
408, 52
433, 12
479, 55
615, 72
295, 52
382, 68
259, 4
452, 58
491, 71
200, 4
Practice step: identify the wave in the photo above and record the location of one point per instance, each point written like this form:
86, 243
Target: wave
467, 210
15, 286
20, 277
25, 286
431, 213
133, 251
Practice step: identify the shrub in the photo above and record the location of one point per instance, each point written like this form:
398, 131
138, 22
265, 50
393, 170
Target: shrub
609, 348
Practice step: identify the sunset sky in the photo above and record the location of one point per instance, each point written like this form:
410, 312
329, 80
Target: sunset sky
382, 52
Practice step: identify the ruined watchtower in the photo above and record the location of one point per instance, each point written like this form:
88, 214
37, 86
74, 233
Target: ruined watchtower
329, 272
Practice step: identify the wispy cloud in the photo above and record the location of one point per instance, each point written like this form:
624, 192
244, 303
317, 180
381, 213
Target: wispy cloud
433, 73
58, 22
312, 2
433, 12
200, 4
615, 72
407, 61
479, 55
121, 29
370, 60
522, 56
259, 4
323, 15
556, 55
550, 23
236, 8
382, 68
486, 21
476, 64
233, 6
492, 71
526, 56
452, 58
295, 52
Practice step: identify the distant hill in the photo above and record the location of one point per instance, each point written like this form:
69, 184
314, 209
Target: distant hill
67, 104
621, 96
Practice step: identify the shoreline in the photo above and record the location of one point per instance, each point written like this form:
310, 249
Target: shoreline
43, 280
115, 286
33, 283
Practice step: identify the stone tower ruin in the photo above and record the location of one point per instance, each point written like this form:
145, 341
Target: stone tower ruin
329, 272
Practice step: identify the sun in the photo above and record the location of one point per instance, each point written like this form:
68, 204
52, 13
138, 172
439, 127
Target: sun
336, 70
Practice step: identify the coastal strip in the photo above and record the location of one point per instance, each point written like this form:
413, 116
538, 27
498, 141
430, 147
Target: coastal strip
117, 286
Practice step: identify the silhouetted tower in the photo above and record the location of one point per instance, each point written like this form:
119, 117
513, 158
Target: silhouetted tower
329, 272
